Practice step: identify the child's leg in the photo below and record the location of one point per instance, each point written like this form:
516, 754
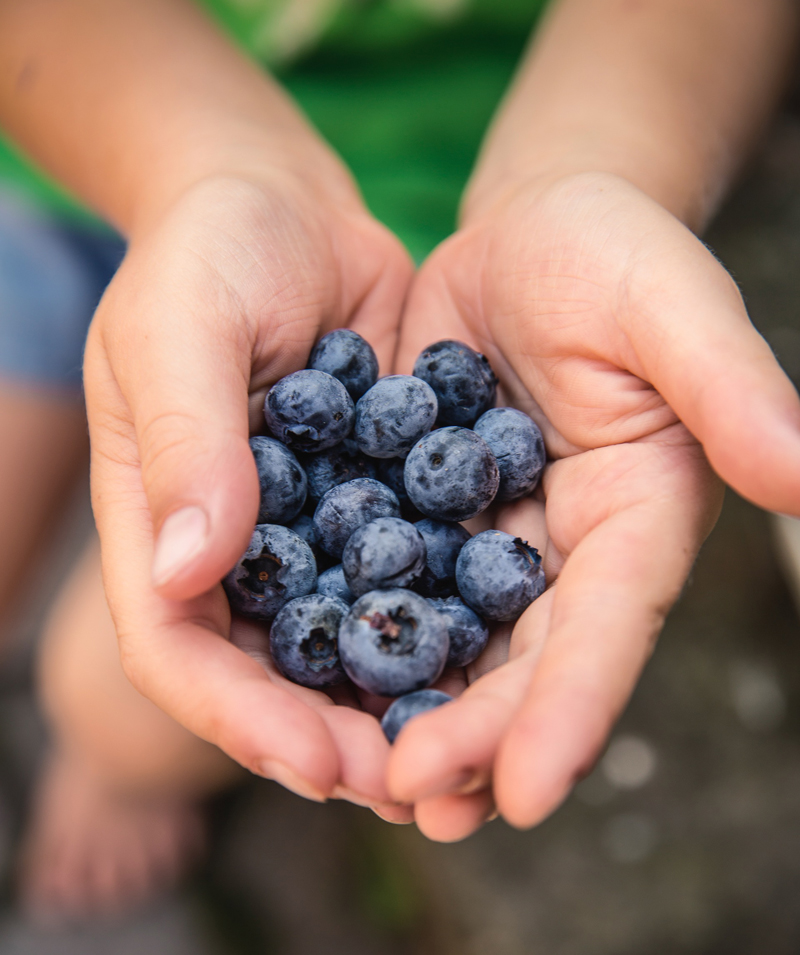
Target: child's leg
117, 810
43, 447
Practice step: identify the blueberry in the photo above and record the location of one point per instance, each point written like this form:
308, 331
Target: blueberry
390, 473
393, 642
309, 411
331, 583
393, 415
335, 466
304, 640
451, 474
468, 633
518, 447
443, 543
406, 707
303, 526
463, 380
346, 507
499, 575
281, 479
277, 567
349, 358
385, 553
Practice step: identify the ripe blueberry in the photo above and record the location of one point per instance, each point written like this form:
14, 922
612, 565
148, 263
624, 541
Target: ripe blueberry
499, 575
303, 640
443, 542
468, 633
406, 707
281, 480
518, 447
385, 553
277, 567
393, 415
309, 411
336, 466
349, 358
393, 642
463, 380
451, 474
331, 583
346, 507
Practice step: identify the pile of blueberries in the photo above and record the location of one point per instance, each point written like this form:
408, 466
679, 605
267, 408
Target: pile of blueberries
368, 479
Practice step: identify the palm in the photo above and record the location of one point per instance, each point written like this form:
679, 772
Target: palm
560, 291
205, 314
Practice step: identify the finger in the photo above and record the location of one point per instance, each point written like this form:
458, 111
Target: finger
360, 742
451, 749
397, 815
176, 654
178, 376
452, 818
620, 578
716, 371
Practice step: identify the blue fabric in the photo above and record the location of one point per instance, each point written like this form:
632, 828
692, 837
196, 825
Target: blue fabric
52, 275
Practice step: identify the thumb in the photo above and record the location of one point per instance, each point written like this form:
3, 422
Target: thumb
168, 394
700, 350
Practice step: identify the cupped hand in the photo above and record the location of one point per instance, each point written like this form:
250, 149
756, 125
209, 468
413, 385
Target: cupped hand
215, 301
623, 337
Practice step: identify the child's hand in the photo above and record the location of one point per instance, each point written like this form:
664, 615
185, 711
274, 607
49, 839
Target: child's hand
611, 324
218, 299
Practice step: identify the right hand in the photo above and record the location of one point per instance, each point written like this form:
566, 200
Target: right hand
216, 300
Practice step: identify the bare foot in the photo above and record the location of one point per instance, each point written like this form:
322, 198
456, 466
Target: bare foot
93, 852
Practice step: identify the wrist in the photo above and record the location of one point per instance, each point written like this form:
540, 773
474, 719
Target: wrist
677, 182
293, 161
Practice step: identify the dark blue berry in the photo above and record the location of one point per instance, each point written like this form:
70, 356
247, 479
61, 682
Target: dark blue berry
443, 543
499, 575
518, 447
349, 358
347, 507
467, 631
390, 472
393, 415
336, 466
303, 526
408, 706
393, 642
309, 410
463, 380
303, 641
451, 474
277, 567
331, 583
385, 553
281, 479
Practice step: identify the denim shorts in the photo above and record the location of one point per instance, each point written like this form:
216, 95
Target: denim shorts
52, 275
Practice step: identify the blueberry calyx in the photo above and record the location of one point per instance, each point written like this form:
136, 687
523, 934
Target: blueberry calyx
319, 649
396, 630
261, 572
531, 554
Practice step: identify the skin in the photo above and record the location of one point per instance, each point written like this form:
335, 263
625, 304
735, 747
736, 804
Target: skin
574, 269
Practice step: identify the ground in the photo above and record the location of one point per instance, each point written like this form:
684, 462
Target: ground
684, 841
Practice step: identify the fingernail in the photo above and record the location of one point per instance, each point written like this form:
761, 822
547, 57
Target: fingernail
342, 792
454, 783
183, 535
396, 815
289, 780
478, 779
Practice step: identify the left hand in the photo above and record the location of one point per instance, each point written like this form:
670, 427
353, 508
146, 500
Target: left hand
623, 337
